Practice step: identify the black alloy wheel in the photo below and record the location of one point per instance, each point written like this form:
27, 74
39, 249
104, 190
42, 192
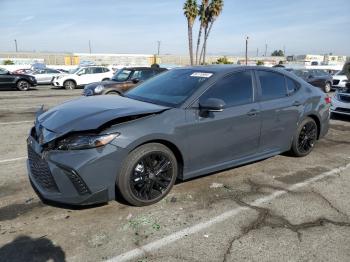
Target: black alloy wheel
305, 138
151, 176
148, 174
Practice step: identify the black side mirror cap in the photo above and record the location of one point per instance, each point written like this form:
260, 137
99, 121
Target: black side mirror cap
212, 105
135, 80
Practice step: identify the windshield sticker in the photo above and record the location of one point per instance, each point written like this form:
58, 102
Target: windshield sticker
201, 74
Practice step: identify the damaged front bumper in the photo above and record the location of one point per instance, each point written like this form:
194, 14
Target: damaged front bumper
76, 177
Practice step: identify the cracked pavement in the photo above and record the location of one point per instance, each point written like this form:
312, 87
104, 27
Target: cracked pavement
306, 223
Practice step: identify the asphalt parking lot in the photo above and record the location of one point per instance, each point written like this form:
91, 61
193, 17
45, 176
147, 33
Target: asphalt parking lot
278, 209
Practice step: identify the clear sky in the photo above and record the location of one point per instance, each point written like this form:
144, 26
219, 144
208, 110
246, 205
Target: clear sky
134, 26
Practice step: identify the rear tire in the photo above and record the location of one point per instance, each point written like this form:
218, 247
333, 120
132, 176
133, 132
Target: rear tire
147, 174
69, 85
23, 85
304, 138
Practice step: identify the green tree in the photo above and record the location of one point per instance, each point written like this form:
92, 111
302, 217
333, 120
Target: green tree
190, 12
277, 53
259, 62
223, 60
213, 11
8, 62
202, 11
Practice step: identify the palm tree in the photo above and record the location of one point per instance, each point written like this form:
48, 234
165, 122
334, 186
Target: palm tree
203, 21
214, 10
191, 12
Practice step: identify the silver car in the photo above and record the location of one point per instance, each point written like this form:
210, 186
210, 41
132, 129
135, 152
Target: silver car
44, 76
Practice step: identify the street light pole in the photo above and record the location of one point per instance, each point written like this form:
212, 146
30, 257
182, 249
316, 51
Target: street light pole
158, 47
90, 47
246, 50
16, 46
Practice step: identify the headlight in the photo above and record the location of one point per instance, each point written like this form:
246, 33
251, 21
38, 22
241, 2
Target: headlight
78, 142
98, 89
32, 78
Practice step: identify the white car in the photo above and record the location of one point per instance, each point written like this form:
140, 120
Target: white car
341, 102
82, 76
339, 80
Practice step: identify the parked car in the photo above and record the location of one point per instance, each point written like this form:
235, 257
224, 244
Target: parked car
341, 101
316, 77
339, 80
45, 76
180, 124
123, 80
82, 76
19, 81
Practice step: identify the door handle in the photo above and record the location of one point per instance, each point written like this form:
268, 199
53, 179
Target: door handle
296, 103
253, 112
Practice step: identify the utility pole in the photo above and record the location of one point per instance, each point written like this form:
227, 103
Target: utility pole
90, 46
246, 50
158, 47
257, 52
284, 50
265, 49
16, 46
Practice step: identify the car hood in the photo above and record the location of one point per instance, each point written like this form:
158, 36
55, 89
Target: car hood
90, 113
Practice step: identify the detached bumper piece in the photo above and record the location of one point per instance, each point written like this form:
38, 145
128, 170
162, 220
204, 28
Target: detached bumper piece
41, 172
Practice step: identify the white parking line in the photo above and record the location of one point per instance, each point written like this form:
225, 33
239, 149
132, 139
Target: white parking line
12, 159
155, 245
16, 122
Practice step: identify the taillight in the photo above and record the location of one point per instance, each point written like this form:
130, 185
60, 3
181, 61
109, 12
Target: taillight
328, 100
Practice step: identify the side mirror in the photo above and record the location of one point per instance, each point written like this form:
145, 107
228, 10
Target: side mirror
212, 105
310, 76
135, 80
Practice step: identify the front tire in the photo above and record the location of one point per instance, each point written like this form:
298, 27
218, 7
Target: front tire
327, 88
304, 138
148, 174
113, 93
23, 85
69, 85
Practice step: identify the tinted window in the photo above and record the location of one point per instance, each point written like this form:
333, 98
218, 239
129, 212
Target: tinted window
105, 70
97, 70
3, 71
292, 86
122, 75
236, 89
272, 85
170, 88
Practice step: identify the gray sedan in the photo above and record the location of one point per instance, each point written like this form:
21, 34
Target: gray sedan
181, 124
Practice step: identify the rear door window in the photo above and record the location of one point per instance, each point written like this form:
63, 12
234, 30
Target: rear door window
272, 85
292, 86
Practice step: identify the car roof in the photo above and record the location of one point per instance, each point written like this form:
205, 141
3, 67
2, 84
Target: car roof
229, 68
144, 68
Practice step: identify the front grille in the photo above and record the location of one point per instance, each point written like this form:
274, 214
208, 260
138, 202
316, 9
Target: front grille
335, 82
41, 172
344, 98
78, 183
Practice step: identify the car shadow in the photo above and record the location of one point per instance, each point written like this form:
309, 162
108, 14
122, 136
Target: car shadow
340, 117
25, 248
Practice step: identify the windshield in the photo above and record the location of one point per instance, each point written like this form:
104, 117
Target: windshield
121, 75
73, 71
171, 88
301, 73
